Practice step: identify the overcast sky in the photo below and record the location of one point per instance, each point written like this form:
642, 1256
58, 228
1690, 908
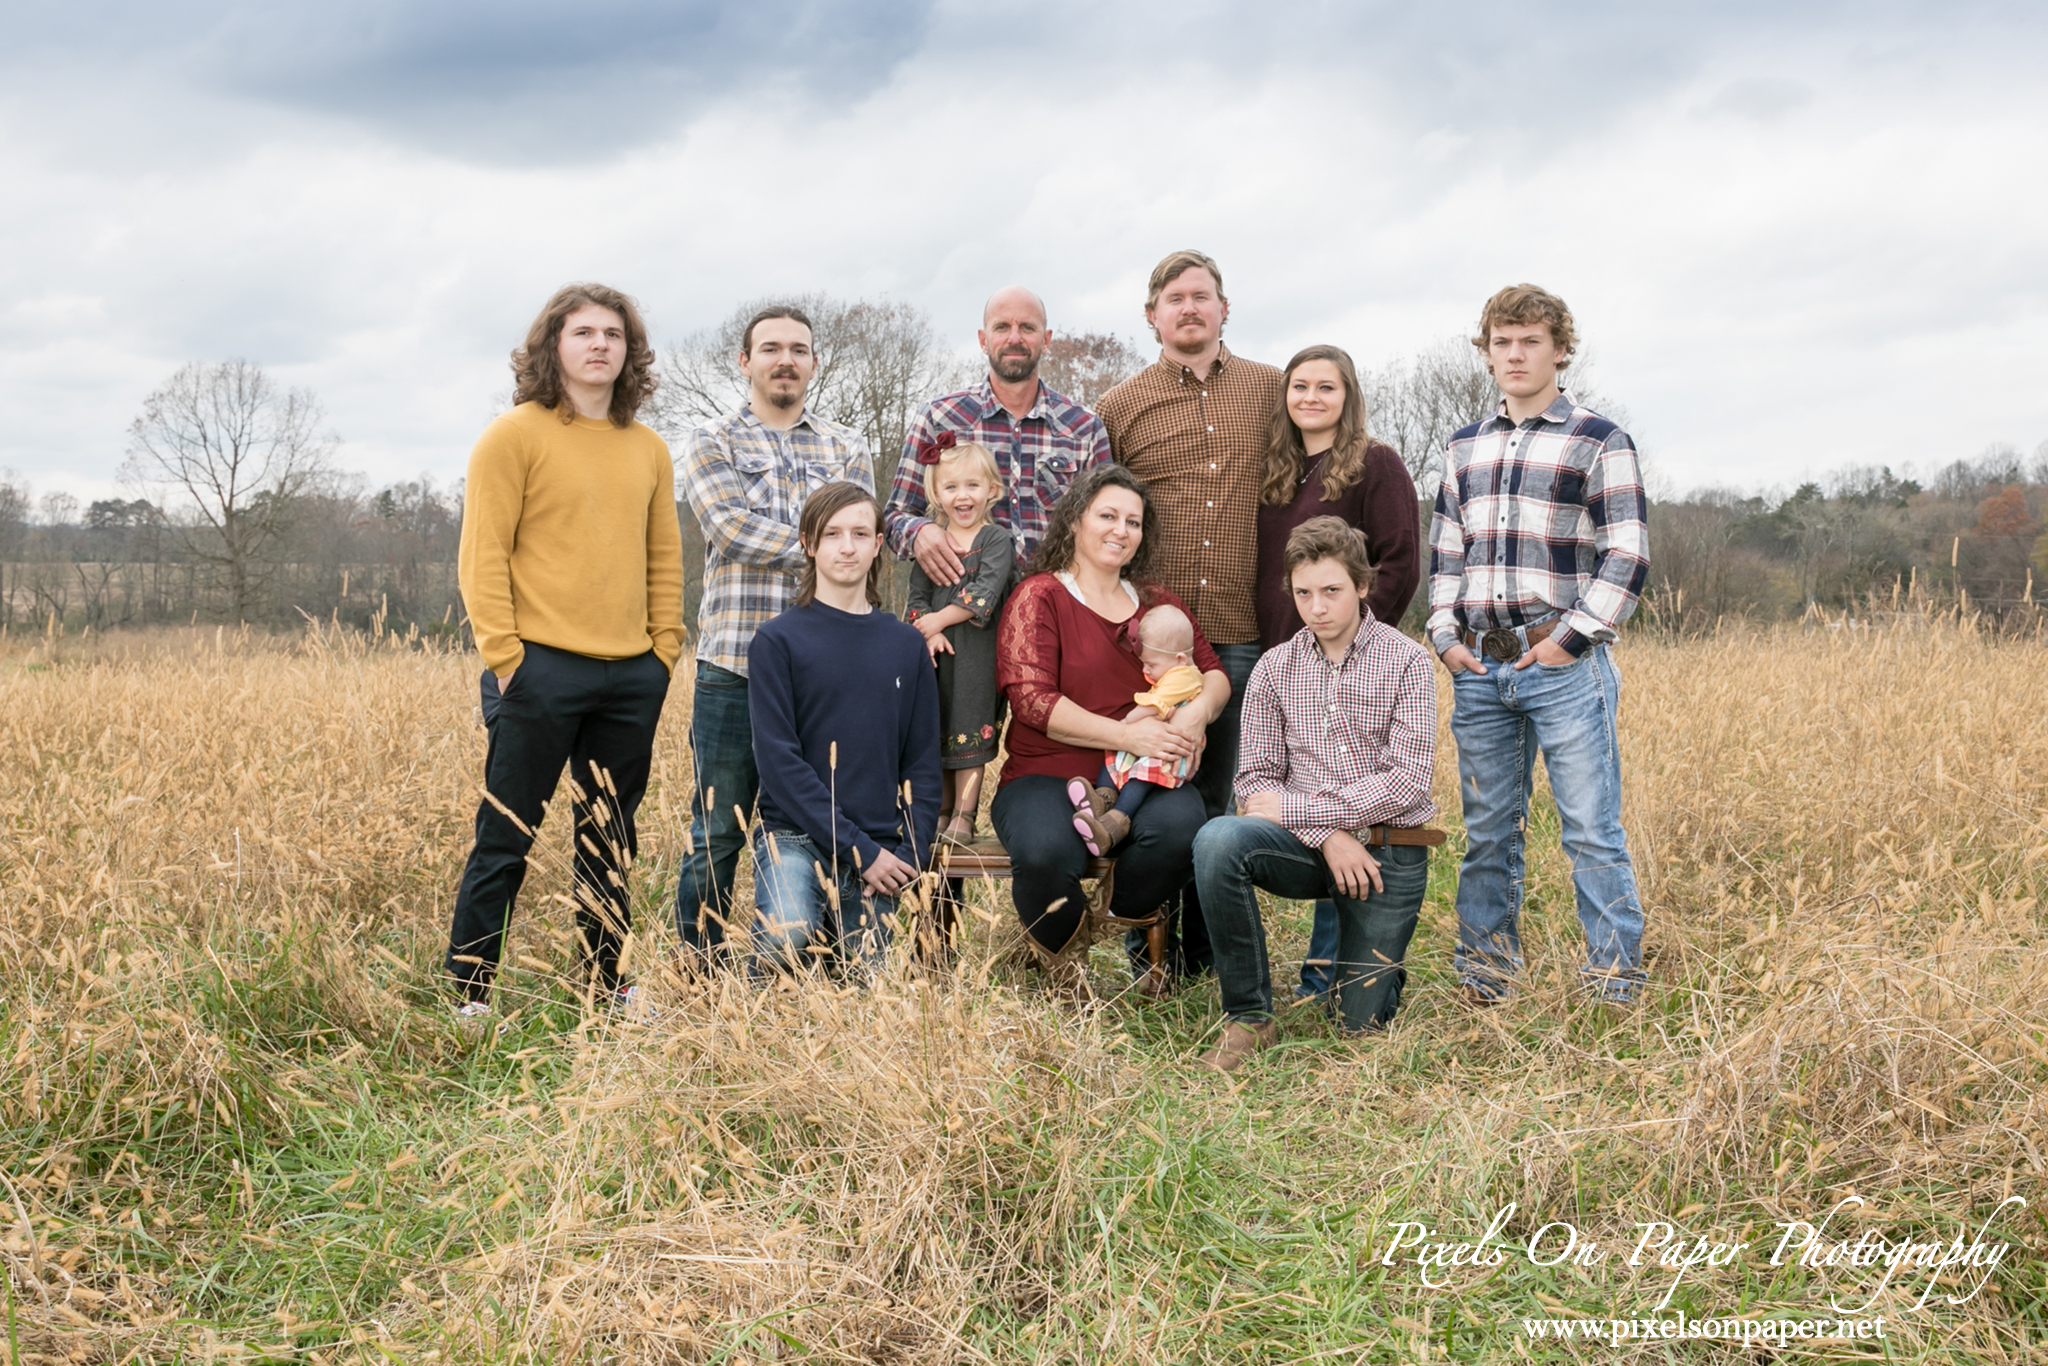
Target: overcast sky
1796, 236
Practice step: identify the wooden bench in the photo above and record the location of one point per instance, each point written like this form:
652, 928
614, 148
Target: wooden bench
986, 858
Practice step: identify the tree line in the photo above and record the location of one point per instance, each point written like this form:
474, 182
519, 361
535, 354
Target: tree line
238, 510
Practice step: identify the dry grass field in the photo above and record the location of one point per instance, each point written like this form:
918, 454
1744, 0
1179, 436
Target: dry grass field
237, 1122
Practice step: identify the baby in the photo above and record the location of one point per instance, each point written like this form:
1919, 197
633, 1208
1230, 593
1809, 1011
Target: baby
1102, 814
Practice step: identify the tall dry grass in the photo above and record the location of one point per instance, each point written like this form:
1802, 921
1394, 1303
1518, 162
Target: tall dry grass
237, 1124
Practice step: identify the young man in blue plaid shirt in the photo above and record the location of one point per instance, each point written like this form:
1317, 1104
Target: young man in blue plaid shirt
1538, 551
746, 476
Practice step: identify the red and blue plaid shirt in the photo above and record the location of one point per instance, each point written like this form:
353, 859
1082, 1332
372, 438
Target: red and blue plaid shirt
1346, 745
1538, 519
1038, 454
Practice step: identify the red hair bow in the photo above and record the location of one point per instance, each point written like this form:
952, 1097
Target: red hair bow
928, 451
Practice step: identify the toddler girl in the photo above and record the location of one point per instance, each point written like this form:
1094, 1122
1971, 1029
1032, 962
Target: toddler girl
961, 484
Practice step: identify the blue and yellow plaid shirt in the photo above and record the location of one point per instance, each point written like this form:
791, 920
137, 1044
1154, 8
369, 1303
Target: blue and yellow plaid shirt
747, 483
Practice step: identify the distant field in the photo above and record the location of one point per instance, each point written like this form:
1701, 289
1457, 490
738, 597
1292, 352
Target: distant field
238, 1124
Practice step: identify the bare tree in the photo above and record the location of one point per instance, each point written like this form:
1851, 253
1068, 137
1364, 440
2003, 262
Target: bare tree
878, 364
1086, 365
59, 510
1415, 405
14, 505
887, 364
234, 454
700, 375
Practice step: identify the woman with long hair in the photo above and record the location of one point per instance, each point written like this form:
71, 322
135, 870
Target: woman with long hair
1320, 462
1067, 660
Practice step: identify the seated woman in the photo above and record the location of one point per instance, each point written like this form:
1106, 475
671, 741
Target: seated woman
1067, 660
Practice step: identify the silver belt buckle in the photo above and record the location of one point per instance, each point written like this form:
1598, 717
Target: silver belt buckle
1502, 644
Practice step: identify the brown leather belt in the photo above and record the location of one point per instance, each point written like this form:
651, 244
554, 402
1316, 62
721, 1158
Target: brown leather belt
1400, 834
1503, 644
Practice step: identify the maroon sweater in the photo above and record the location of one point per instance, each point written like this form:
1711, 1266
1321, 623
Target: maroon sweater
1382, 505
1052, 645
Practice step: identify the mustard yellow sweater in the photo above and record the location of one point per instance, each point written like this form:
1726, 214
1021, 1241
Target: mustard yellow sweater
569, 539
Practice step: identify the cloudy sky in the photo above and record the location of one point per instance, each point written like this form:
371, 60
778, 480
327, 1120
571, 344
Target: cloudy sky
1796, 235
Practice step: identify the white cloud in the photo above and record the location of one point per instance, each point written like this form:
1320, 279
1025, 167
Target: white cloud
1789, 248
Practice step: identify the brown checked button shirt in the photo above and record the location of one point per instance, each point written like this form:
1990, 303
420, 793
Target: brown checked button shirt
1199, 442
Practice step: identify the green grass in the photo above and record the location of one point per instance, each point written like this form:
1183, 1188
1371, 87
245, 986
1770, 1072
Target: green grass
1224, 1222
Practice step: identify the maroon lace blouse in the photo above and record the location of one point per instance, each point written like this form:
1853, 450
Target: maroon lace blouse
1052, 645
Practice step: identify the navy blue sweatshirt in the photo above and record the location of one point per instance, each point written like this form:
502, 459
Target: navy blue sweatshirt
817, 675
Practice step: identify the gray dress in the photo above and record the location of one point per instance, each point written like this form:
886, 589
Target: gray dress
969, 705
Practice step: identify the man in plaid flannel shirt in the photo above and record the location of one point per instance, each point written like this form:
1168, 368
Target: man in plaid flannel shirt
1040, 439
1338, 753
746, 476
1538, 551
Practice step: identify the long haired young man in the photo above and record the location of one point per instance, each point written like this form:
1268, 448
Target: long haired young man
572, 575
846, 740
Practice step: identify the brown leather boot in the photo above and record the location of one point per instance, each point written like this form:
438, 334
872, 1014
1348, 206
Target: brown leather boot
1103, 832
1065, 972
1241, 1039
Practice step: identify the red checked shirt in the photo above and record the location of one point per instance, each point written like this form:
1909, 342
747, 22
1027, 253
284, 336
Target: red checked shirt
1345, 745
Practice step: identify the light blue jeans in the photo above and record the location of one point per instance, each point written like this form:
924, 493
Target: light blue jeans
794, 914
1500, 721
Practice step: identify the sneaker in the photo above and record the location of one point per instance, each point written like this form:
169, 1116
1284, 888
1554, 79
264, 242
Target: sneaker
625, 1002
1241, 1039
473, 1012
1479, 998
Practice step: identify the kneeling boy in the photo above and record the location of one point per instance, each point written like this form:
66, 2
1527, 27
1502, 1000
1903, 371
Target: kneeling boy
846, 740
1338, 750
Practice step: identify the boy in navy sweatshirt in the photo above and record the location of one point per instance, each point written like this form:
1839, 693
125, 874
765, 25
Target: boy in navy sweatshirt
846, 740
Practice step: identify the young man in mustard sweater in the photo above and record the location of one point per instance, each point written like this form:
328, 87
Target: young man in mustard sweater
572, 574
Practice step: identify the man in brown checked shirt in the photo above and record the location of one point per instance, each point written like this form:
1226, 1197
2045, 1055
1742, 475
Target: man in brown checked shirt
1194, 427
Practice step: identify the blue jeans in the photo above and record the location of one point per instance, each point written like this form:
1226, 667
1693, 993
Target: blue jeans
1187, 941
1500, 721
793, 913
1235, 856
722, 762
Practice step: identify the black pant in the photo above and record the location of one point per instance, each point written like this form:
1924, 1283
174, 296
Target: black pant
598, 716
1034, 818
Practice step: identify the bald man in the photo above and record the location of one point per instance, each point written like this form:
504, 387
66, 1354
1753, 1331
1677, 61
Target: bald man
1041, 439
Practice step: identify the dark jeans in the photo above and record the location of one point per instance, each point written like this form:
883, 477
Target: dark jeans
598, 716
1237, 855
1316, 973
1187, 936
722, 762
1035, 821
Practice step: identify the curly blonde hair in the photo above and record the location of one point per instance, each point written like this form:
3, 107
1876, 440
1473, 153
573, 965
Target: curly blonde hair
1526, 306
965, 453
